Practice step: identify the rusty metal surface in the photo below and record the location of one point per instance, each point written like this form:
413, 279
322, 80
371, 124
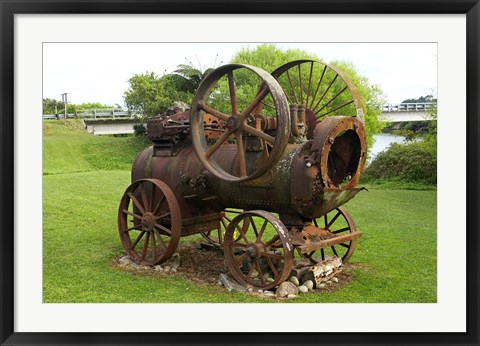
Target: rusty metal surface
312, 238
282, 159
340, 147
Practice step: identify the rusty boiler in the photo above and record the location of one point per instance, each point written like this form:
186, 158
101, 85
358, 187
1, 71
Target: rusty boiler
265, 178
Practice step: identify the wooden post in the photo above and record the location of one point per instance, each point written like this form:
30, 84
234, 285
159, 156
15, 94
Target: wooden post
323, 271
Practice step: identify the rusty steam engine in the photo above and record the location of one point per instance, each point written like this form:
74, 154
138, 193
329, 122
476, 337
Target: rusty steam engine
283, 163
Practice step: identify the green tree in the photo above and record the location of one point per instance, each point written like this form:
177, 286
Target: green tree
50, 106
269, 56
188, 77
149, 94
421, 99
73, 108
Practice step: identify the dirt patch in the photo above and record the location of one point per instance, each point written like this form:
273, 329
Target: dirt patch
200, 264
203, 264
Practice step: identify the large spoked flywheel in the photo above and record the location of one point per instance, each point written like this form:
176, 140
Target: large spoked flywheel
218, 96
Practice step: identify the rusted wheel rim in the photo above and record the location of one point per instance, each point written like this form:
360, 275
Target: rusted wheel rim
339, 222
149, 221
323, 89
262, 254
235, 122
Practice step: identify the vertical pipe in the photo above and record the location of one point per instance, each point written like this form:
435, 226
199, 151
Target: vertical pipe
301, 120
294, 120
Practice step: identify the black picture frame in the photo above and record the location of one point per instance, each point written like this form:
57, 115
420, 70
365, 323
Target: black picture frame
10, 8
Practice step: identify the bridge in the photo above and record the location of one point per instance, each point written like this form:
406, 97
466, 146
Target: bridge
402, 112
108, 121
101, 113
104, 121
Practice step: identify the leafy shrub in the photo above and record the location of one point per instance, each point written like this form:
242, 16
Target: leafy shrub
139, 129
412, 162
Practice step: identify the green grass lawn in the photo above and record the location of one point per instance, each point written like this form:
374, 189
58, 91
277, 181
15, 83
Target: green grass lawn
70, 149
85, 177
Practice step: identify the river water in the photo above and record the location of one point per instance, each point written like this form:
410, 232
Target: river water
382, 141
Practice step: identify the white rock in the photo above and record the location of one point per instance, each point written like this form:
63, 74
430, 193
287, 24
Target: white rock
124, 261
292, 296
286, 288
302, 289
250, 289
270, 280
268, 293
173, 270
294, 280
334, 279
158, 268
308, 284
167, 269
260, 291
322, 285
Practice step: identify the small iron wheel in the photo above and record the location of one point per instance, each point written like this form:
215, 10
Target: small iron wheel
322, 89
262, 254
338, 221
216, 236
149, 222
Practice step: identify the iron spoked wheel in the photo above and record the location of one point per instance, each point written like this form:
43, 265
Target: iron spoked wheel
237, 122
322, 89
262, 254
339, 222
149, 221
216, 236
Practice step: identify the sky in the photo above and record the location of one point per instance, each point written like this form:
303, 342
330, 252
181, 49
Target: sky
99, 72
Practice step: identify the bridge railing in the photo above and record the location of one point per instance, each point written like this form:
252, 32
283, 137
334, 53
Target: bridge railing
105, 113
95, 113
408, 107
